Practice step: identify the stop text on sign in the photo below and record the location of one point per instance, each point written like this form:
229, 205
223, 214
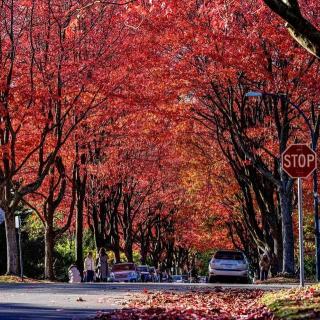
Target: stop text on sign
299, 160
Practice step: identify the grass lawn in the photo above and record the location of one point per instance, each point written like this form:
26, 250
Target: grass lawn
294, 303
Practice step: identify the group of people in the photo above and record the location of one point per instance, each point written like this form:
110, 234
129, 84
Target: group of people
97, 270
99, 267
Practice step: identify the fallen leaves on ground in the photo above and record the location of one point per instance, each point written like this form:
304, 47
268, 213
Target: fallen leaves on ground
282, 280
218, 304
16, 279
296, 303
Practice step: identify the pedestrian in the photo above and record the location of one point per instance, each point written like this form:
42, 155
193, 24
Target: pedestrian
74, 274
264, 267
89, 267
102, 265
165, 276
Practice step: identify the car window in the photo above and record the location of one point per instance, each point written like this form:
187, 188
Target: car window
177, 277
123, 267
227, 255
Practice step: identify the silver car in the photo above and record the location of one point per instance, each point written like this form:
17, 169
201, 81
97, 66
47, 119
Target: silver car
124, 272
229, 264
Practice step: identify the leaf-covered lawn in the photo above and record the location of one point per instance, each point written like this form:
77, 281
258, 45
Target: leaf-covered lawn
295, 303
212, 305
15, 279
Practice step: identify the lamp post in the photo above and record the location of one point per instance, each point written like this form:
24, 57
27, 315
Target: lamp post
18, 226
314, 140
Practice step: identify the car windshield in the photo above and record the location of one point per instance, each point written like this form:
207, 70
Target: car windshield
143, 269
123, 267
229, 255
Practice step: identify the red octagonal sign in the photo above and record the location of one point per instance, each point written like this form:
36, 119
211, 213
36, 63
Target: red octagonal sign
299, 161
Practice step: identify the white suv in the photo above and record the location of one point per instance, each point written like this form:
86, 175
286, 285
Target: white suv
228, 263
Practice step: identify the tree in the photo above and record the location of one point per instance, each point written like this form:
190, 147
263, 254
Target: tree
302, 29
49, 198
55, 73
270, 68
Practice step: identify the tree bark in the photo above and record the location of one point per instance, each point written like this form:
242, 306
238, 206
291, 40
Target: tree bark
49, 247
300, 29
128, 251
287, 232
278, 255
98, 229
79, 236
116, 250
12, 246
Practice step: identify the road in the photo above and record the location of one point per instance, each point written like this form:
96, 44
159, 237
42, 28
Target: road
59, 301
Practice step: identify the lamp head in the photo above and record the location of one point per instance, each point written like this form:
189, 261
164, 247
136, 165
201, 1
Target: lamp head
255, 94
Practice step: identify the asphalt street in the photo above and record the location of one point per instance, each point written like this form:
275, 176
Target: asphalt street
83, 301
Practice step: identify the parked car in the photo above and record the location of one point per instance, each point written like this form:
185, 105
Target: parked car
144, 273
177, 278
153, 274
229, 263
124, 272
185, 278
203, 279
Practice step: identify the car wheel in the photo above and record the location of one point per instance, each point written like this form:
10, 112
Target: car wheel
212, 279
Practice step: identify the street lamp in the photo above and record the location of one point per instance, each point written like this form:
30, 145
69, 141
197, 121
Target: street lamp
314, 139
18, 226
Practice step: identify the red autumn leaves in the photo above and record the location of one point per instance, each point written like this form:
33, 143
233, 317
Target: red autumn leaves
218, 304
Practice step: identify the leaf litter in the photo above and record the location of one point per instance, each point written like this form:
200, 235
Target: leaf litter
218, 304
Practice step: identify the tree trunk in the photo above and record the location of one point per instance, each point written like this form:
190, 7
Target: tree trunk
49, 247
287, 232
116, 249
143, 251
143, 259
278, 255
115, 236
80, 183
169, 258
79, 237
12, 246
97, 229
128, 250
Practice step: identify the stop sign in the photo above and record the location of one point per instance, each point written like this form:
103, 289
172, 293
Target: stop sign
299, 161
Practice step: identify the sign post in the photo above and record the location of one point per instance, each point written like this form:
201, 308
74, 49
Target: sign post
301, 247
299, 161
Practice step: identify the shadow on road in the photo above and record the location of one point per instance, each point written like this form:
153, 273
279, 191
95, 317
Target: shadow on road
17, 311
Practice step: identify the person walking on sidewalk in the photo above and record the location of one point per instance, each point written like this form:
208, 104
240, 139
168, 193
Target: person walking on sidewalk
102, 265
264, 267
89, 267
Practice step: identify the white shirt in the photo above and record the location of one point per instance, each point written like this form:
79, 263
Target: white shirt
88, 264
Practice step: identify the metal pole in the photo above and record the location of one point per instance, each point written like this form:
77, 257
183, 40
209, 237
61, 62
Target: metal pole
316, 211
20, 250
316, 223
301, 250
